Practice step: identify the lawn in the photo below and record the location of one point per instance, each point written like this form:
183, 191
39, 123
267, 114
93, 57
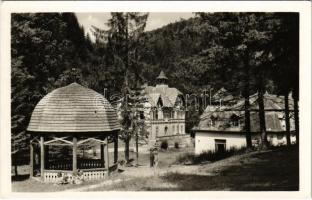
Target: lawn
272, 170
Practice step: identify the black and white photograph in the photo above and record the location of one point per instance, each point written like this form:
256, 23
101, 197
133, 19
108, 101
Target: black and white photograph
156, 101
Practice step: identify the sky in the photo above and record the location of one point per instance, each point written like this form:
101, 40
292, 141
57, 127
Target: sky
154, 21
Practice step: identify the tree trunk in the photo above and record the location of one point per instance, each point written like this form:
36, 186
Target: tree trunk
247, 105
296, 114
14, 163
247, 123
264, 139
137, 146
287, 123
14, 159
127, 141
15, 170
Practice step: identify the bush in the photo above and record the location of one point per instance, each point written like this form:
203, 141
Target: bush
187, 158
176, 145
208, 156
164, 145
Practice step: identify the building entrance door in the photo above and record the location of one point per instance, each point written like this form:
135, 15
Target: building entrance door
220, 145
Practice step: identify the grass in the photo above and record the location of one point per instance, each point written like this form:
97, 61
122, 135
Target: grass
191, 158
274, 170
22, 183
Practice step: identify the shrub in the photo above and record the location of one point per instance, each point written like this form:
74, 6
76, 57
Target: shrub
176, 145
164, 145
187, 158
208, 156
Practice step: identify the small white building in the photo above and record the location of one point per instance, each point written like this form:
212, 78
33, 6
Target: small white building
222, 128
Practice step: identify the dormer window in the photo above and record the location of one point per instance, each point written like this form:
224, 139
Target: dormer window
212, 121
234, 120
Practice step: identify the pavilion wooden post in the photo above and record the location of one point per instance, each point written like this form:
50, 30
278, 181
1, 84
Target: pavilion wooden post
102, 156
42, 157
106, 156
74, 155
115, 149
46, 156
31, 162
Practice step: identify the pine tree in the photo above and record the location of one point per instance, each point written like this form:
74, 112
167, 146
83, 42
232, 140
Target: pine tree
244, 39
42, 49
286, 64
123, 39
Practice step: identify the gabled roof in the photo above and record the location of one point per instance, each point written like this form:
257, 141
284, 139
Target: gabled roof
153, 98
222, 94
271, 102
168, 95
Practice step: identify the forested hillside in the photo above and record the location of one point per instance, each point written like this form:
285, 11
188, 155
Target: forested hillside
44, 49
180, 50
207, 51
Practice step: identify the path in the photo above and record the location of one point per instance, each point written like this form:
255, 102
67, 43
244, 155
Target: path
208, 169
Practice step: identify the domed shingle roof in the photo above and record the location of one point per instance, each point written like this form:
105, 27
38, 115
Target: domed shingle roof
73, 108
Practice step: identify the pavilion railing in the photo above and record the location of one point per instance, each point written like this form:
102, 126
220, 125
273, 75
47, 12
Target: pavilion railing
89, 163
81, 164
55, 176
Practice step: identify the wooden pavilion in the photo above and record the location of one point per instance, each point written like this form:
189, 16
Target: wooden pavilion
72, 116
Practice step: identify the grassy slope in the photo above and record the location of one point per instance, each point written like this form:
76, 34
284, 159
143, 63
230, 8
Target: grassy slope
276, 170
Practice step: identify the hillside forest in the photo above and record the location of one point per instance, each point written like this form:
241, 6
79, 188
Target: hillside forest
242, 52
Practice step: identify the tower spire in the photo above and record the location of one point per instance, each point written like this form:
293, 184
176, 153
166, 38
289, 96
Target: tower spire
162, 78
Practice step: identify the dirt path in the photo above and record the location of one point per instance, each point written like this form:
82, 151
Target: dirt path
208, 169
90, 187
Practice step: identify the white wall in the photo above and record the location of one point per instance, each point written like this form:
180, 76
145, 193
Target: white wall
206, 141
278, 140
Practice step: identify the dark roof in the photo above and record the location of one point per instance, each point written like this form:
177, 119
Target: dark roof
222, 94
73, 108
162, 75
222, 116
271, 101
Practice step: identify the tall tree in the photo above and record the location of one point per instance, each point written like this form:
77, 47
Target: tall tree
42, 49
123, 39
232, 54
286, 64
244, 40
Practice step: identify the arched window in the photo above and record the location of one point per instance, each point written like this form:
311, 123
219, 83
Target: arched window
156, 114
166, 130
178, 129
142, 115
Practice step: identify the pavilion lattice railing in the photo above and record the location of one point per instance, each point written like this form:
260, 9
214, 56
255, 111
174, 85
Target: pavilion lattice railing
81, 164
